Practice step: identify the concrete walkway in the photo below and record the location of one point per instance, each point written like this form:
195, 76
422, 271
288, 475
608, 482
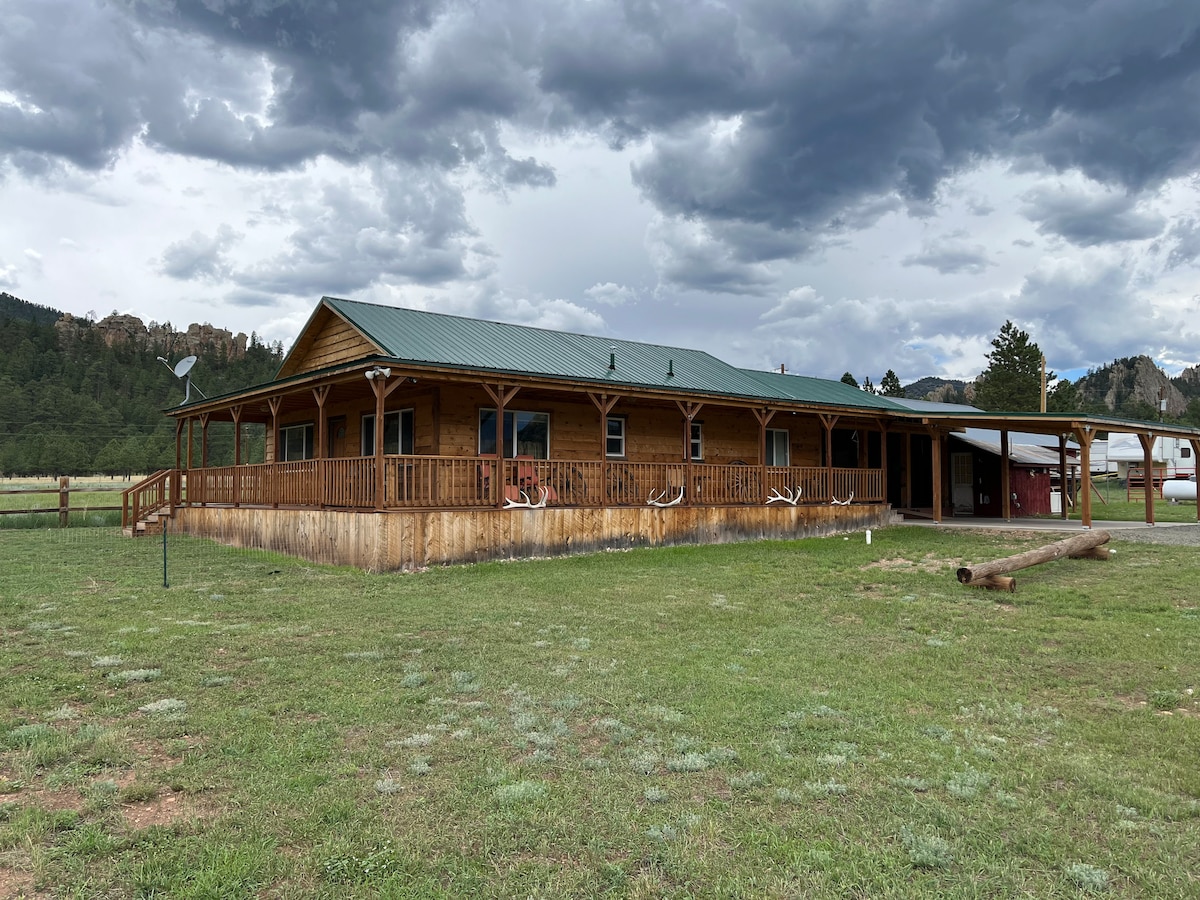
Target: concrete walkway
1032, 524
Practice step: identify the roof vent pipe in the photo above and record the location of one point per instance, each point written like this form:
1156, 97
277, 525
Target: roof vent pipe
612, 359
670, 368
783, 368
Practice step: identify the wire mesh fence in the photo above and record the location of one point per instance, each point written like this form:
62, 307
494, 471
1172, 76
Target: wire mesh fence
104, 555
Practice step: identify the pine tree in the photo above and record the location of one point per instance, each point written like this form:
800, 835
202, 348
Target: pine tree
849, 379
868, 387
1012, 380
890, 385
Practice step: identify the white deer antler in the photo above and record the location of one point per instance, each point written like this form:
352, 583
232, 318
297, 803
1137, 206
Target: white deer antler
509, 503
786, 497
658, 500
836, 502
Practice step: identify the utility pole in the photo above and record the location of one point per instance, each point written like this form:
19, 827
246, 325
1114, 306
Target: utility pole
1043, 382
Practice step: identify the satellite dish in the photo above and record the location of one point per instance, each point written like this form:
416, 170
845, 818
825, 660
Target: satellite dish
181, 370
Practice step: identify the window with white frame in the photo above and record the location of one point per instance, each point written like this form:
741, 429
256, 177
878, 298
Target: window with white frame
614, 436
525, 433
697, 441
295, 442
778, 447
397, 432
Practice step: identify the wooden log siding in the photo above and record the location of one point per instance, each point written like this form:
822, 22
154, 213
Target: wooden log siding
407, 539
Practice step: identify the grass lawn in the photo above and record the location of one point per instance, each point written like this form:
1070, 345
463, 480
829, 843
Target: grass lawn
811, 718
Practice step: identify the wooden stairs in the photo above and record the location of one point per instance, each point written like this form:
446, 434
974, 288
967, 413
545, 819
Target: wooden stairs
147, 505
153, 523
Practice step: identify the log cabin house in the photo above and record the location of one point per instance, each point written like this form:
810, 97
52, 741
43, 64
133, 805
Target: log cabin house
398, 438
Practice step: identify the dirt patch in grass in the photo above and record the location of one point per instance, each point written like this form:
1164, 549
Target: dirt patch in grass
168, 809
930, 564
15, 884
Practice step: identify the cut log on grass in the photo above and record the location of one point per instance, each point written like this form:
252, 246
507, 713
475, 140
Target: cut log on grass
1092, 553
995, 583
1080, 544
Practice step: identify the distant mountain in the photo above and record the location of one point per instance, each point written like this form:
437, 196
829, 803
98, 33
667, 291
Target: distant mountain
943, 390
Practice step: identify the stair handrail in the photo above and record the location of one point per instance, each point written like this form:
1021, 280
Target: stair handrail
146, 497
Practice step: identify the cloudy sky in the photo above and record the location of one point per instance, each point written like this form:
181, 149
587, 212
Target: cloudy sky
830, 184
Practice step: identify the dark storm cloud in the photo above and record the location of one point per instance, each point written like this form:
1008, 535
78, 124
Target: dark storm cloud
771, 127
1087, 219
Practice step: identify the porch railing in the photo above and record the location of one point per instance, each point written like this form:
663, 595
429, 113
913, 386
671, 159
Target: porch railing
440, 482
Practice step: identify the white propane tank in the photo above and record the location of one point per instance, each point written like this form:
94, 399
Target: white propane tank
1179, 490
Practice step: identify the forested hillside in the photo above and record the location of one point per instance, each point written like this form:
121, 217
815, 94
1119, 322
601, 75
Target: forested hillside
74, 403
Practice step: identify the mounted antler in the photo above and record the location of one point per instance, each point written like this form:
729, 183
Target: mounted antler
509, 503
657, 500
786, 497
836, 502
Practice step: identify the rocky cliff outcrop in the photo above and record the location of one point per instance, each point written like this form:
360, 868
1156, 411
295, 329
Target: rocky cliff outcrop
123, 329
1130, 382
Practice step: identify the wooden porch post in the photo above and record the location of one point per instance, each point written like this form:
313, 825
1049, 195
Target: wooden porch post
501, 398
1005, 478
273, 403
1195, 442
191, 432
883, 459
604, 404
690, 411
236, 413
764, 417
906, 493
1085, 436
321, 394
378, 384
203, 455
204, 440
1147, 442
1062, 475
177, 481
827, 422
936, 453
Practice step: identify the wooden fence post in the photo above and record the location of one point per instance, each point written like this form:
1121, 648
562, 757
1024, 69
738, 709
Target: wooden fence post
64, 501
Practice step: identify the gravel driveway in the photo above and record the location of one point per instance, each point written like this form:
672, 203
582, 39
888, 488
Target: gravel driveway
1179, 535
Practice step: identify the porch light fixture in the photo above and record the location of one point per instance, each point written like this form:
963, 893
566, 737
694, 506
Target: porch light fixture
377, 372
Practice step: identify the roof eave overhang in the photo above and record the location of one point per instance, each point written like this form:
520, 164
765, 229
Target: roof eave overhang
355, 369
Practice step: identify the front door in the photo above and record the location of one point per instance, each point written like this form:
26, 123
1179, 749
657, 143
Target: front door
962, 491
337, 437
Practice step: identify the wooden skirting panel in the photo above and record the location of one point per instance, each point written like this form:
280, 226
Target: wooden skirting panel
392, 541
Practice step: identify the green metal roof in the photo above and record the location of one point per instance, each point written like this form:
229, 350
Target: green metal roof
805, 389
457, 342
438, 339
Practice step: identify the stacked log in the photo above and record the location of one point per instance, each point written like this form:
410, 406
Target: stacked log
991, 575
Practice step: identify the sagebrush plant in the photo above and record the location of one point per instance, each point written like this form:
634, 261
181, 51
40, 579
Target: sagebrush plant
608, 725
